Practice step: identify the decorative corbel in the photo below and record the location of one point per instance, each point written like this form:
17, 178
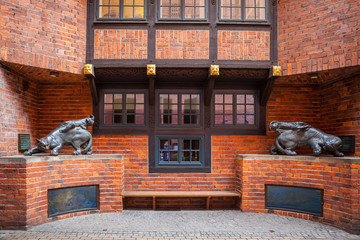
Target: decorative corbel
214, 72
90, 74
151, 74
274, 73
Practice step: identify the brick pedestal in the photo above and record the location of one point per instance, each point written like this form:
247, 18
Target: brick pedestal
338, 177
25, 181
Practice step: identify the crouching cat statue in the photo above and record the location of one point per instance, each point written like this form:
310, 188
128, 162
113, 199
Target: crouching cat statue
300, 134
70, 133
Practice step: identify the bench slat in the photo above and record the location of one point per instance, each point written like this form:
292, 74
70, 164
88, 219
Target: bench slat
181, 194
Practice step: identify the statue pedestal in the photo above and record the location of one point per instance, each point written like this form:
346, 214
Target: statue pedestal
25, 182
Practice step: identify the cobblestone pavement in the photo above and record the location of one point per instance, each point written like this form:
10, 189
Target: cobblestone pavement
176, 225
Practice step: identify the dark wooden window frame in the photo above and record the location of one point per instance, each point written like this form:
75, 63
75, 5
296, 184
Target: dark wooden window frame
243, 14
124, 92
182, 7
121, 13
179, 93
199, 163
257, 113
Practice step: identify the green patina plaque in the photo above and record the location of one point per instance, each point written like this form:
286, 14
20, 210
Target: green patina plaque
24, 142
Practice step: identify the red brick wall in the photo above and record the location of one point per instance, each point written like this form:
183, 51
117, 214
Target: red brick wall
25, 183
340, 112
318, 35
120, 44
243, 45
13, 195
137, 176
60, 102
46, 34
182, 44
18, 110
338, 178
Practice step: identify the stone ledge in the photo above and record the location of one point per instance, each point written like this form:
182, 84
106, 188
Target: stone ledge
306, 158
21, 159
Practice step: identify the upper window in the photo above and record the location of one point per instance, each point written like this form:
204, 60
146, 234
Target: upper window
242, 10
182, 9
234, 109
179, 109
122, 9
124, 109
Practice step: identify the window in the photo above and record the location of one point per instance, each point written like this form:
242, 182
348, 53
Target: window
237, 109
121, 9
255, 9
124, 109
182, 9
230, 9
180, 151
179, 109
242, 10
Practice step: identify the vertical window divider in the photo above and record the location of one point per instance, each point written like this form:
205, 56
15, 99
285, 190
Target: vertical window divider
234, 109
182, 9
179, 154
124, 110
243, 10
179, 96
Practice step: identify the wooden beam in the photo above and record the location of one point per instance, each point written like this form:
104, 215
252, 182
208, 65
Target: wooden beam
266, 90
209, 90
93, 90
152, 90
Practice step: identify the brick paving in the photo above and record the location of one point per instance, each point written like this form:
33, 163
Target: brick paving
176, 225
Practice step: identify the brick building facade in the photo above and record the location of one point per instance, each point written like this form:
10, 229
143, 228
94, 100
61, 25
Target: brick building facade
316, 44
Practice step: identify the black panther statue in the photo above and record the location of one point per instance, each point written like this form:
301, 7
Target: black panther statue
72, 133
300, 134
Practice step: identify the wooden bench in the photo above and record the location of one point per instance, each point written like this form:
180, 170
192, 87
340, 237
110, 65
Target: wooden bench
207, 194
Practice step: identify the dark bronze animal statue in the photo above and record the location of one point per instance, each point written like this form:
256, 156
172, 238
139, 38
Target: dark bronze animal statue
300, 134
70, 133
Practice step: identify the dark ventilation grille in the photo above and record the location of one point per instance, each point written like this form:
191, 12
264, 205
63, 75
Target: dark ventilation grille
348, 144
292, 198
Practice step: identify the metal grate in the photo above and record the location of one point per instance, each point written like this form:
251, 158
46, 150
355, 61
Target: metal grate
348, 144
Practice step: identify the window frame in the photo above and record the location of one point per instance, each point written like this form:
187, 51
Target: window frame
121, 13
182, 9
102, 124
257, 112
243, 14
200, 163
178, 92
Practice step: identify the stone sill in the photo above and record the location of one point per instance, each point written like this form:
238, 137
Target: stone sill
21, 159
304, 158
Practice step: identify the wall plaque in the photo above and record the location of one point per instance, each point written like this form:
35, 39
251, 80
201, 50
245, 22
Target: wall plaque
24, 142
298, 199
72, 199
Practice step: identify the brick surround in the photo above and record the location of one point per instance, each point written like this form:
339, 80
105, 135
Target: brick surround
341, 109
182, 44
18, 110
121, 44
318, 35
243, 45
45, 34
